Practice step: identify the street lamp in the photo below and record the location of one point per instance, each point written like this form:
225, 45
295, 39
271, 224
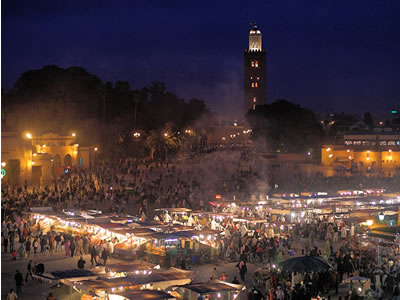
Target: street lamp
95, 149
73, 134
3, 164
381, 216
28, 135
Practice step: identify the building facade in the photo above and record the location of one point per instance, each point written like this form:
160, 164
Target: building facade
364, 152
36, 160
255, 71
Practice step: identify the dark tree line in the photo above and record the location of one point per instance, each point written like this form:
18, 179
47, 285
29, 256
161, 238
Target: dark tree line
285, 127
54, 99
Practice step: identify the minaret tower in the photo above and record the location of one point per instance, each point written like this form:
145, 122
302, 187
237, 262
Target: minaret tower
255, 72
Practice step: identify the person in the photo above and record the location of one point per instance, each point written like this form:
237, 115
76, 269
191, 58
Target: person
58, 242
235, 281
50, 297
104, 256
14, 255
12, 295
19, 280
28, 246
81, 263
29, 269
35, 246
280, 295
72, 247
93, 255
214, 274
257, 295
242, 270
224, 277
40, 268
67, 248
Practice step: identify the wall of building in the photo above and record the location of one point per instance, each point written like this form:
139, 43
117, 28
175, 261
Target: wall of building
361, 159
14, 147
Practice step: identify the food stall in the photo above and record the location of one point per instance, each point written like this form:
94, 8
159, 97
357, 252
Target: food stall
211, 290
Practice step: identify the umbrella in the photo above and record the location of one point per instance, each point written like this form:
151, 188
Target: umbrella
356, 278
305, 264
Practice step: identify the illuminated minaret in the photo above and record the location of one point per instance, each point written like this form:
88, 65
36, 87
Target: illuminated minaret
255, 72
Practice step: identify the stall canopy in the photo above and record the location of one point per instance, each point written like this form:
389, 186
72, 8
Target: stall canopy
145, 294
214, 286
130, 267
173, 275
75, 273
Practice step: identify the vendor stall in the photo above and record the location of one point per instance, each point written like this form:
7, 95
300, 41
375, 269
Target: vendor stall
211, 290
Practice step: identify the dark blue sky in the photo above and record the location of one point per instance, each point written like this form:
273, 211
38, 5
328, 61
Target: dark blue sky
339, 54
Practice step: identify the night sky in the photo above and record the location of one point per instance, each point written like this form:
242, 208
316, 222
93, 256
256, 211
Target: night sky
340, 55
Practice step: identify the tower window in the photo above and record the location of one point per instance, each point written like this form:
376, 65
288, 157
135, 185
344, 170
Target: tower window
254, 106
254, 63
252, 84
254, 99
256, 84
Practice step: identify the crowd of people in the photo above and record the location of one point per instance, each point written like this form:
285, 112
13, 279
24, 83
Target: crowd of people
136, 187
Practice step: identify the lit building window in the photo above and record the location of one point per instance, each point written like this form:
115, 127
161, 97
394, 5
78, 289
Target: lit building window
254, 64
254, 99
254, 106
252, 84
256, 84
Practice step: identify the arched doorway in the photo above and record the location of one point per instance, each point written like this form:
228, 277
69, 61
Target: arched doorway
13, 171
67, 161
57, 161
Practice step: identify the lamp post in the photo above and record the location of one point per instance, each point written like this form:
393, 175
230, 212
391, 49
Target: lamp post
381, 216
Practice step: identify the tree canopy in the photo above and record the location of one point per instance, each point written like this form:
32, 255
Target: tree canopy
285, 127
61, 100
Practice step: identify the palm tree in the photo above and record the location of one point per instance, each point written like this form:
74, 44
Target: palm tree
160, 141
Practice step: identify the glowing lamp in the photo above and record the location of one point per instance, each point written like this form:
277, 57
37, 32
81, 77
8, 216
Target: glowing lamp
218, 196
3, 164
381, 216
73, 134
28, 135
370, 222
95, 149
